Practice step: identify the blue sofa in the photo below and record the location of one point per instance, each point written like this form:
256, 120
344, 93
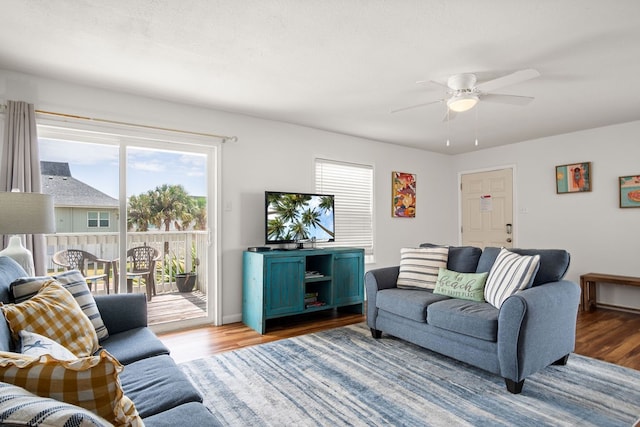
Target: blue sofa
532, 329
162, 394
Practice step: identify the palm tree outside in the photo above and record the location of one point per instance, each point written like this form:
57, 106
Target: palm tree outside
293, 216
164, 207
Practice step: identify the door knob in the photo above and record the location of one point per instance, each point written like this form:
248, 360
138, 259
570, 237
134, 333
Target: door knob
509, 240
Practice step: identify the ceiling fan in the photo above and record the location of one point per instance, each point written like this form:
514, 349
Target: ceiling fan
465, 92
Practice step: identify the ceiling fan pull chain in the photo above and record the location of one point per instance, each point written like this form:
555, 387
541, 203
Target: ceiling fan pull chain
448, 131
477, 108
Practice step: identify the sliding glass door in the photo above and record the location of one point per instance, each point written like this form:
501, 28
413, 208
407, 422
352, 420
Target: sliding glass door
167, 210
147, 205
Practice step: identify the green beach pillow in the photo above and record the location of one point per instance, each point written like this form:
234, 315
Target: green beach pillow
469, 286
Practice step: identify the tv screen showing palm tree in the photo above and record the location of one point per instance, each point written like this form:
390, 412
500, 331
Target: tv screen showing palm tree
299, 217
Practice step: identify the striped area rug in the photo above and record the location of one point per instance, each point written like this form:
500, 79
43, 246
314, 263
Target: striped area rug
344, 377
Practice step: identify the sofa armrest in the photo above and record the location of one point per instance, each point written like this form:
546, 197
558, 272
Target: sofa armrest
537, 327
122, 312
374, 281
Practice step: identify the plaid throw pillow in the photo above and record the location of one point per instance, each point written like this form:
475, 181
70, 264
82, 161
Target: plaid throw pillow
54, 313
419, 267
22, 408
90, 382
26, 287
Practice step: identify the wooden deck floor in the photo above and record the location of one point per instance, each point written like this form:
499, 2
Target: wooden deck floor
174, 306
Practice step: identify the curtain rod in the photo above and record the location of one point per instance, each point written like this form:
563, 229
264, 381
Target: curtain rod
224, 138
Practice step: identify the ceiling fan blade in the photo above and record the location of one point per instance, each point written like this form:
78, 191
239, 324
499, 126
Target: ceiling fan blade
507, 99
397, 110
444, 85
508, 80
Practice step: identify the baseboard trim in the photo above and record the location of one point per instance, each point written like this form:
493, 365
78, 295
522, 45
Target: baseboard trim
233, 318
618, 308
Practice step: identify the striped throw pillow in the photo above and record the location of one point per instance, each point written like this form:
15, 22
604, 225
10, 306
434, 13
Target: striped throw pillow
74, 282
509, 274
24, 288
90, 382
22, 408
419, 267
54, 313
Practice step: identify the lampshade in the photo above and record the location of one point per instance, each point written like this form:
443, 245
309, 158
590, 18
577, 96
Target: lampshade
462, 103
26, 213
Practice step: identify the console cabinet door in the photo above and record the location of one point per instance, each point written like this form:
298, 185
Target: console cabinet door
348, 276
284, 285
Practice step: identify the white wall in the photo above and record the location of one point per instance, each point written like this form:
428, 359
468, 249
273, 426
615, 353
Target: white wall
601, 237
277, 156
268, 155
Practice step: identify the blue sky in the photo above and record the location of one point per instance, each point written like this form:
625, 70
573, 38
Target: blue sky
97, 165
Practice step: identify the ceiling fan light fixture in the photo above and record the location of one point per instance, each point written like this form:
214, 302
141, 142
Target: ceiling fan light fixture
462, 103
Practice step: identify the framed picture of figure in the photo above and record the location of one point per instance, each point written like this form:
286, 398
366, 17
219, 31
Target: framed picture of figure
573, 178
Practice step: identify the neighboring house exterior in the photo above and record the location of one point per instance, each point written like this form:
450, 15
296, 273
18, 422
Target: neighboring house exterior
79, 208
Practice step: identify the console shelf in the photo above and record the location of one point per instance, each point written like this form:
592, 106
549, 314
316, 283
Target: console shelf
286, 283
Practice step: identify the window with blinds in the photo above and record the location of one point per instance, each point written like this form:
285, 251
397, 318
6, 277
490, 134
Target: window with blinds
352, 185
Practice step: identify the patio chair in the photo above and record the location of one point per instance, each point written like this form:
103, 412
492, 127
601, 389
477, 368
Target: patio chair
141, 264
87, 263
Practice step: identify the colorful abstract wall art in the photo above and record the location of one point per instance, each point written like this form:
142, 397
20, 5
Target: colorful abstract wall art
403, 187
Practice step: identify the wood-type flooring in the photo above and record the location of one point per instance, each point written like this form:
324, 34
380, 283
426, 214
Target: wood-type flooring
609, 335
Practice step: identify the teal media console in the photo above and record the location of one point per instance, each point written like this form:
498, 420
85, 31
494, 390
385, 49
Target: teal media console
284, 283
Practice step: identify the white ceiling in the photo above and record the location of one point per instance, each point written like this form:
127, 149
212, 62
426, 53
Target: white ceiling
342, 65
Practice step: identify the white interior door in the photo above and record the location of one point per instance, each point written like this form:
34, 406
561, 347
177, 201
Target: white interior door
487, 208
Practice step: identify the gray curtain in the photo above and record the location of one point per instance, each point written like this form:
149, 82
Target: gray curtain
21, 166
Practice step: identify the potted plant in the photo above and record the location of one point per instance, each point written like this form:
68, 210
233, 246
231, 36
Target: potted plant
185, 280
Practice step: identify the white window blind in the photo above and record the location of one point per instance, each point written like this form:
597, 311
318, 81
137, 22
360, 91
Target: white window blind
352, 185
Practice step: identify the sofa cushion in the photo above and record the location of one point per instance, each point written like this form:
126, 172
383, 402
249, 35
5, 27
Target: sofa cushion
54, 313
19, 407
419, 267
469, 286
461, 258
133, 345
554, 263
475, 319
509, 274
409, 303
157, 384
9, 271
89, 382
33, 344
73, 281
188, 414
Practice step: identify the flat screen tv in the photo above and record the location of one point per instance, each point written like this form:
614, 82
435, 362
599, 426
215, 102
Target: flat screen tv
298, 217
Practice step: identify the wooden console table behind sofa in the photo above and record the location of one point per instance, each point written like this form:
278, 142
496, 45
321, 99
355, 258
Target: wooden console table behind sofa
588, 286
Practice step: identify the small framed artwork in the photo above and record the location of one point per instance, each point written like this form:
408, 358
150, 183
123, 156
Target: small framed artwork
630, 191
573, 178
403, 199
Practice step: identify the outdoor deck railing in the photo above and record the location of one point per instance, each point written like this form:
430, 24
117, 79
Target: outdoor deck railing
170, 244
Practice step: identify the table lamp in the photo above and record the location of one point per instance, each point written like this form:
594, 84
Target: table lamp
24, 213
